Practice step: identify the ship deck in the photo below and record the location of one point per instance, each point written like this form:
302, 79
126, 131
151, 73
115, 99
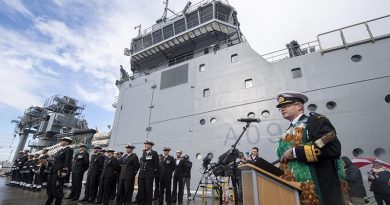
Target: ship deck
12, 195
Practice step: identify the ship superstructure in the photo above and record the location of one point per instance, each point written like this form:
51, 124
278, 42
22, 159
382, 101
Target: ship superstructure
194, 75
59, 116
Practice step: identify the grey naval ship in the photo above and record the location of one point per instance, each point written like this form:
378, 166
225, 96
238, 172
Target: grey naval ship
194, 74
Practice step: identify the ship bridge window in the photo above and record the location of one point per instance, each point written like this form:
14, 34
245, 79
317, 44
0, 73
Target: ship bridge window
296, 73
206, 92
147, 40
202, 67
248, 83
168, 31
179, 26
387, 98
157, 36
234, 58
222, 12
192, 19
137, 44
206, 13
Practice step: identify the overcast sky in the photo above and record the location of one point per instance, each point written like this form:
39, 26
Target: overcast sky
75, 47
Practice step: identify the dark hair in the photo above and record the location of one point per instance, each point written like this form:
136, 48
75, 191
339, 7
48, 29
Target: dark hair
256, 148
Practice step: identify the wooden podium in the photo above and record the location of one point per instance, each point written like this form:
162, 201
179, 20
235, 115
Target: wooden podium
263, 188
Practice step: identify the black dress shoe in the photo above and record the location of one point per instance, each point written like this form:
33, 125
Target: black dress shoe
97, 202
75, 199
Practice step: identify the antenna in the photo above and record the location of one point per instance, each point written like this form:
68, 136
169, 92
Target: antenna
166, 9
164, 16
139, 29
186, 7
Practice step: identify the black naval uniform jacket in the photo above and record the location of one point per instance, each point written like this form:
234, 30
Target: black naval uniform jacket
180, 168
167, 167
22, 160
63, 159
96, 164
324, 159
149, 164
130, 166
111, 167
81, 162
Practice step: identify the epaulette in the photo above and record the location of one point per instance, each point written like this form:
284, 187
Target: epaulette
317, 115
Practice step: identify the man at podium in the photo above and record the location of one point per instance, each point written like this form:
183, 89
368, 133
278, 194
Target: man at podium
309, 151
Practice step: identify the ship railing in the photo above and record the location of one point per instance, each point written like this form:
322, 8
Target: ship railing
309, 47
177, 30
342, 38
194, 54
363, 32
192, 8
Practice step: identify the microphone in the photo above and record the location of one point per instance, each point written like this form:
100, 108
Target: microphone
249, 120
275, 162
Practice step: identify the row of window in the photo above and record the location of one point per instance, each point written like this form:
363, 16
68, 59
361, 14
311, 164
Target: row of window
378, 152
233, 59
248, 84
331, 105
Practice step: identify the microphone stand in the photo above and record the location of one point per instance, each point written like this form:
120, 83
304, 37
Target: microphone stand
235, 190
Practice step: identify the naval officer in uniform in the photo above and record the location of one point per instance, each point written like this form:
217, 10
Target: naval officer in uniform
80, 165
148, 170
167, 167
93, 175
62, 163
178, 178
310, 151
129, 168
108, 178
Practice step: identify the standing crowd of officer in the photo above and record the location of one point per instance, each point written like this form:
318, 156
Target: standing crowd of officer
110, 175
29, 171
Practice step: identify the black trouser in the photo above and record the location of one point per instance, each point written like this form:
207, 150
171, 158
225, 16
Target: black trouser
18, 176
77, 180
113, 188
106, 188
145, 190
125, 190
30, 177
165, 186
91, 187
54, 190
237, 186
187, 184
36, 179
23, 177
379, 198
100, 191
13, 175
156, 187
177, 194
